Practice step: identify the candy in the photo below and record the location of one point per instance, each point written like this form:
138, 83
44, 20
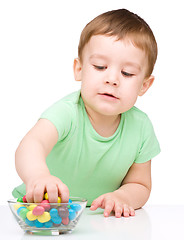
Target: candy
48, 224
75, 207
63, 212
65, 221
38, 210
45, 204
30, 223
46, 196
72, 214
30, 216
20, 199
19, 209
31, 207
24, 199
17, 206
45, 217
55, 216
23, 213
38, 224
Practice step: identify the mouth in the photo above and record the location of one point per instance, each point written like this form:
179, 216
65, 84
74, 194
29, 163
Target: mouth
109, 95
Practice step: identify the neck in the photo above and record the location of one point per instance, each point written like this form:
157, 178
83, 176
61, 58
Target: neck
104, 125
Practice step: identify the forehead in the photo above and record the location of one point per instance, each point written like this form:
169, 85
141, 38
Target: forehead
107, 47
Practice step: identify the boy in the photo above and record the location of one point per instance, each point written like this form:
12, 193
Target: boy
94, 142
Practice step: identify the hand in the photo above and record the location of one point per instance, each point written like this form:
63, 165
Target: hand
37, 186
113, 202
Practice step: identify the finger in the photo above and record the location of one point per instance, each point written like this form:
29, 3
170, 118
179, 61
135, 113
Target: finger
29, 195
63, 192
97, 203
118, 211
109, 206
52, 192
38, 193
132, 211
126, 211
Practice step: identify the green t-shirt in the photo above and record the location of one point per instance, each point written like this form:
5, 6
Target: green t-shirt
89, 164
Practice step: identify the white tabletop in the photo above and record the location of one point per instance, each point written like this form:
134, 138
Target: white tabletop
150, 223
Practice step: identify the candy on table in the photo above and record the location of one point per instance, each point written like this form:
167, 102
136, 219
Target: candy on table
43, 215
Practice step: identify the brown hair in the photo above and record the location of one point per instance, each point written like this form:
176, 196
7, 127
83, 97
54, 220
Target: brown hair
122, 24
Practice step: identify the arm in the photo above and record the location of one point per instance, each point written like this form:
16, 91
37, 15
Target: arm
133, 193
30, 162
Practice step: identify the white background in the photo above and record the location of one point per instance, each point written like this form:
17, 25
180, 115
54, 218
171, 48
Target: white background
38, 42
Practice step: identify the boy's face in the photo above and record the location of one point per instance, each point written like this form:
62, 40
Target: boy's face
112, 74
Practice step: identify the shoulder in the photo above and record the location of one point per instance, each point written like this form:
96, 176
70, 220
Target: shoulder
63, 114
66, 103
136, 116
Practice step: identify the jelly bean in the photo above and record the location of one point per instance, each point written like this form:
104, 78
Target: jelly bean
30, 216
23, 213
56, 220
19, 209
31, 207
30, 223
76, 207
38, 224
17, 206
20, 199
53, 212
65, 221
56, 225
63, 212
48, 224
59, 200
72, 214
70, 201
39, 210
45, 204
45, 217
24, 199
46, 196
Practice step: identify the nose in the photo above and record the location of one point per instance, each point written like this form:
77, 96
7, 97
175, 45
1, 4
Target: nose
112, 78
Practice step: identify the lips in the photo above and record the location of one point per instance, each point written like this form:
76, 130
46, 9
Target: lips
110, 95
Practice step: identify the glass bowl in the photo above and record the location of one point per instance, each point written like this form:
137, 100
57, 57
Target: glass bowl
48, 218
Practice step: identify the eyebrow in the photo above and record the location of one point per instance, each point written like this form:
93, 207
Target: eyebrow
97, 56
100, 56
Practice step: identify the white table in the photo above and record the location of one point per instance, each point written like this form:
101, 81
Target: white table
155, 222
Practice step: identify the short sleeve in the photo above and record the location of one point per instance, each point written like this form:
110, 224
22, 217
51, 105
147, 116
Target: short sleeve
60, 115
149, 147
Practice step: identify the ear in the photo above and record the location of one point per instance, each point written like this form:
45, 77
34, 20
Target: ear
146, 85
77, 68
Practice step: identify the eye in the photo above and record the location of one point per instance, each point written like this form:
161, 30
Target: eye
126, 74
99, 67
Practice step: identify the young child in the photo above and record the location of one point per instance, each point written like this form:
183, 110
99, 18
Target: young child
94, 143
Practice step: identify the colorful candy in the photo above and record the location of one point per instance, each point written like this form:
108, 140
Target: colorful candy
46, 215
